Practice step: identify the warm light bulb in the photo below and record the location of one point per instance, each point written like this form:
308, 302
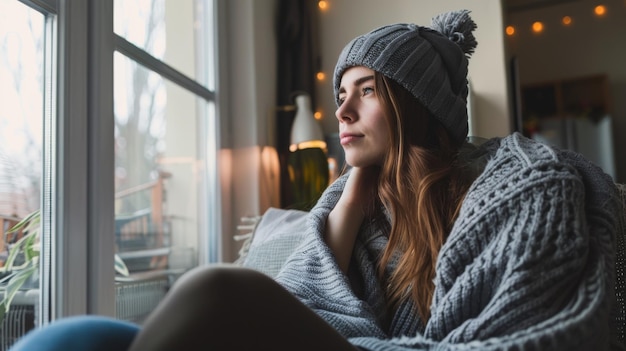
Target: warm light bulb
566, 20
317, 115
600, 10
510, 30
323, 5
537, 27
320, 76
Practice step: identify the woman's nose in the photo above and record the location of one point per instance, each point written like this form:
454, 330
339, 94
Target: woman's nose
345, 114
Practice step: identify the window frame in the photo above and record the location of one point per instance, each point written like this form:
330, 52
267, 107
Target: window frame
78, 181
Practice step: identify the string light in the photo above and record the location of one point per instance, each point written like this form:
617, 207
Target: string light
321, 76
510, 30
538, 27
566, 20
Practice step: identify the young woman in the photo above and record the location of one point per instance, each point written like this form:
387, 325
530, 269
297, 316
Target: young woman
428, 242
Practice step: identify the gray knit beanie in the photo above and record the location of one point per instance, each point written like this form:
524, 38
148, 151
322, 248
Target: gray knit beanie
431, 63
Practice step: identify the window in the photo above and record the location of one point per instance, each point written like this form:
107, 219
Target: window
164, 116
111, 132
22, 81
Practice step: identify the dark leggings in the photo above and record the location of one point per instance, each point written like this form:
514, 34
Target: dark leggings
226, 307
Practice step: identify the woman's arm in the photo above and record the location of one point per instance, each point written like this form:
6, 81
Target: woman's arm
345, 219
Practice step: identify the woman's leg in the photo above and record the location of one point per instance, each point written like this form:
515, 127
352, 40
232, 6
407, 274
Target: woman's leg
234, 308
80, 333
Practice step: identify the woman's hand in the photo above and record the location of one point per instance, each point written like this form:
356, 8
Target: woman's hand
356, 202
361, 189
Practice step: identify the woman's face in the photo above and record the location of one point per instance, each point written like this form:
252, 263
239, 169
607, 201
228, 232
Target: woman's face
363, 130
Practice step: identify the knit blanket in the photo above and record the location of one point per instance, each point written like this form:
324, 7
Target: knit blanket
528, 265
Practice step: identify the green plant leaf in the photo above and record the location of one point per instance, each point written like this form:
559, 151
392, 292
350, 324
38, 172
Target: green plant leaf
32, 217
3, 310
30, 249
28, 245
14, 285
7, 278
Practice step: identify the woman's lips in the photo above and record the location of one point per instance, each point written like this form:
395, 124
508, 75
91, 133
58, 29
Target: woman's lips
347, 138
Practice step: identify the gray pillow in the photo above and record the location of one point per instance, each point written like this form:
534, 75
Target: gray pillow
274, 238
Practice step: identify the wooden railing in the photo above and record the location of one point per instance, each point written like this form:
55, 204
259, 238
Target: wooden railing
143, 222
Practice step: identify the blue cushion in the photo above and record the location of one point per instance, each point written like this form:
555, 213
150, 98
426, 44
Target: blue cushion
80, 333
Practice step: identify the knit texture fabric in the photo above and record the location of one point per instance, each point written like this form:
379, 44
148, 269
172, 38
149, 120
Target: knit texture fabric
431, 63
528, 265
620, 274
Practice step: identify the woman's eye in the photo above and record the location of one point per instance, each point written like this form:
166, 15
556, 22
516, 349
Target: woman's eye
340, 100
367, 90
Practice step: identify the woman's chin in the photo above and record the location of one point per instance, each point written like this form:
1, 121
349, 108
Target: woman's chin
352, 162
359, 162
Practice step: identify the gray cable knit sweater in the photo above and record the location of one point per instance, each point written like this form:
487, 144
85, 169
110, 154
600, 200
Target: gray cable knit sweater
528, 265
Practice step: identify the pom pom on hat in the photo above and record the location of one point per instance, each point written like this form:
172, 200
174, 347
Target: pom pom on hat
431, 63
458, 26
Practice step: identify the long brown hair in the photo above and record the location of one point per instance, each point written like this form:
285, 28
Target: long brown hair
422, 189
